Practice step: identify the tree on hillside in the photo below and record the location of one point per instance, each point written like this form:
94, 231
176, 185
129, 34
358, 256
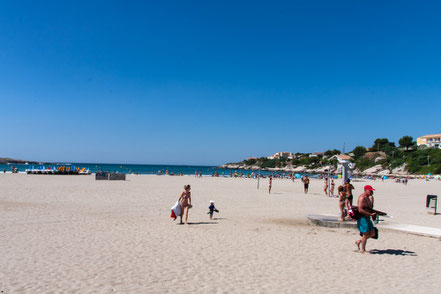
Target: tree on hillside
380, 143
250, 161
359, 151
330, 153
406, 141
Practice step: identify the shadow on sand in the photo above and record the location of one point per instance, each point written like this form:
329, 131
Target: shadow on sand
202, 223
393, 252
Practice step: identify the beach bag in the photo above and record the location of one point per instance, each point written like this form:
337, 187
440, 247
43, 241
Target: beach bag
376, 234
354, 213
175, 210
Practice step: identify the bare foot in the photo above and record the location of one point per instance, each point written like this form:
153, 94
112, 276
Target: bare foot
341, 220
358, 242
365, 252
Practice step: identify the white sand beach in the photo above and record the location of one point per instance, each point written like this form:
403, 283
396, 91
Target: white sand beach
72, 234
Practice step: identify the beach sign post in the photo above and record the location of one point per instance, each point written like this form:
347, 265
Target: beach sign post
258, 180
346, 166
329, 181
431, 203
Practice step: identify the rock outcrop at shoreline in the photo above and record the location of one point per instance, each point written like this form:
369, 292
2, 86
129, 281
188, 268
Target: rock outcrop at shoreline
401, 170
376, 170
5, 160
294, 169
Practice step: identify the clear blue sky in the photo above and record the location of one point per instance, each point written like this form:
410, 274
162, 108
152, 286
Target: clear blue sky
209, 82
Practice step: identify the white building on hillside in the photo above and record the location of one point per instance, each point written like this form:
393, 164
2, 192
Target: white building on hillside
279, 155
433, 141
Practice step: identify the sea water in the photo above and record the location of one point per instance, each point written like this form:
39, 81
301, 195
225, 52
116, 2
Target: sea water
139, 168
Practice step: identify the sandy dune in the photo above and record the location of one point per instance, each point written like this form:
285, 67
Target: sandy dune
72, 234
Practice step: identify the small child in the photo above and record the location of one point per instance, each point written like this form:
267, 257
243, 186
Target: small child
212, 209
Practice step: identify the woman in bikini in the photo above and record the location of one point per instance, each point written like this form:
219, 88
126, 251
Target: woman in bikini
348, 188
185, 200
341, 202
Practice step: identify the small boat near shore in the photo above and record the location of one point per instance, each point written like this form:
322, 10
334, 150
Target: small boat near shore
60, 170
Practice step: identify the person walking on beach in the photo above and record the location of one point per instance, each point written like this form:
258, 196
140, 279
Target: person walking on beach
212, 209
325, 189
185, 200
364, 224
332, 187
306, 184
270, 185
348, 188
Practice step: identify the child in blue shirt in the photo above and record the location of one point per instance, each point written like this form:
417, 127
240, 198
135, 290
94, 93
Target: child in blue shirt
212, 209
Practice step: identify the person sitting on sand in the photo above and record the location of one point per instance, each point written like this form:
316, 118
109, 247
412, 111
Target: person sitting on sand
212, 209
341, 202
185, 200
364, 224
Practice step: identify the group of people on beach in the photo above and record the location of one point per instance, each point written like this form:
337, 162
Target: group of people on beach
305, 181
366, 213
331, 190
345, 198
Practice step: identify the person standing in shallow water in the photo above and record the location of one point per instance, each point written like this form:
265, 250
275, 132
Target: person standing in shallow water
185, 201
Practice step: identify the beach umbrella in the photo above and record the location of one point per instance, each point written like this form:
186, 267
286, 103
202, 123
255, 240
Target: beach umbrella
298, 176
